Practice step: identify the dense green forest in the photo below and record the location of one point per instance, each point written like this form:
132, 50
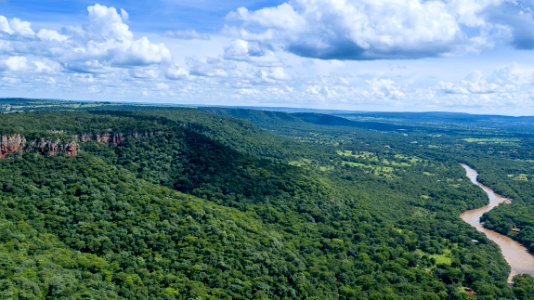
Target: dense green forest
213, 203
500, 147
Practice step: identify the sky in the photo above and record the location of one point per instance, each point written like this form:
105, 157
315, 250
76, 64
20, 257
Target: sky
472, 56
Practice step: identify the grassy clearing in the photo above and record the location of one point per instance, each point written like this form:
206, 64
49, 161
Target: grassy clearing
412, 160
520, 177
326, 168
372, 169
393, 163
398, 160
444, 258
310, 164
484, 141
369, 156
303, 162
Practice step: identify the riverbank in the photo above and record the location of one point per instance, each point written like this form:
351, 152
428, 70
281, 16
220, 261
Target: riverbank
517, 256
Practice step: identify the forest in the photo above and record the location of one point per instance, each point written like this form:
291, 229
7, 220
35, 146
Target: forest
124, 201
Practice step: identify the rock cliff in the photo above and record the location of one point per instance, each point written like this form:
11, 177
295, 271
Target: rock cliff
12, 143
17, 143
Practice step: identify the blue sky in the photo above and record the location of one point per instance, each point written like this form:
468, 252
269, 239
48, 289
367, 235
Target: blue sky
396, 55
151, 16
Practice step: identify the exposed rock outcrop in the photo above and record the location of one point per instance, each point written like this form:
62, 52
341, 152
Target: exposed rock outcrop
85, 138
71, 149
16, 143
102, 138
48, 148
117, 139
113, 139
11, 143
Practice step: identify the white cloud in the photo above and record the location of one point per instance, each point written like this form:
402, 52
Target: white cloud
139, 52
387, 29
105, 23
46, 66
175, 72
368, 29
243, 50
274, 74
51, 35
280, 17
518, 18
264, 57
4, 25
210, 67
16, 63
470, 13
15, 26
21, 27
106, 42
145, 73
385, 89
506, 80
27, 65
111, 42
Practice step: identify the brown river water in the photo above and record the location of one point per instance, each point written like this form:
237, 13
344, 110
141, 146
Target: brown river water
517, 256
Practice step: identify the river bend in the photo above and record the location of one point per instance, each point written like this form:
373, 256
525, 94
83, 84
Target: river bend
517, 256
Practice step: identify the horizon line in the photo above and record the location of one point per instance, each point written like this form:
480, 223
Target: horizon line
266, 108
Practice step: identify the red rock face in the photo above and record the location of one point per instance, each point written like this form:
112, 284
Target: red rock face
42, 146
16, 143
71, 150
85, 138
13, 143
49, 148
117, 139
53, 149
103, 138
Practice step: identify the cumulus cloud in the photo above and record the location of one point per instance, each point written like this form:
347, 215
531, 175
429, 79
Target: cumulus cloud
384, 88
15, 26
358, 29
506, 80
105, 42
211, 67
175, 72
518, 17
16, 64
263, 56
274, 74
388, 29
244, 50
105, 23
51, 35
110, 41
102, 55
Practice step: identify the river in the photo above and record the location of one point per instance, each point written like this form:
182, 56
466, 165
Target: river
517, 256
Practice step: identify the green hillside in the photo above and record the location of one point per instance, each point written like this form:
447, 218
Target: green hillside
176, 203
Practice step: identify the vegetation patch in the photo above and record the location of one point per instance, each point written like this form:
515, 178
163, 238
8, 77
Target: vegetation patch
501, 141
444, 258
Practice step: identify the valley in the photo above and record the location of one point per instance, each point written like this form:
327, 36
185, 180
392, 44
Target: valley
228, 203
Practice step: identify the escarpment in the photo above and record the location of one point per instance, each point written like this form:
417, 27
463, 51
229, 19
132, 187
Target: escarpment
13, 143
47, 146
